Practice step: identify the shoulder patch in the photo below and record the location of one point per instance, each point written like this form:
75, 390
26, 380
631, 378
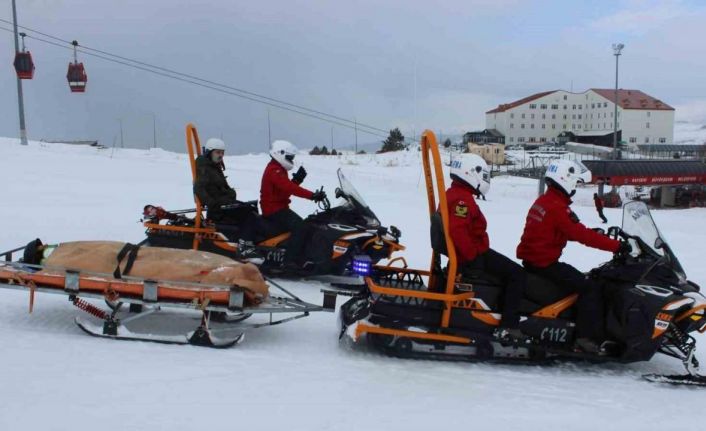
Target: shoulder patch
461, 210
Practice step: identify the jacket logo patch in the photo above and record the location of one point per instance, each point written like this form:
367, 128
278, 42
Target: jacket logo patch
461, 210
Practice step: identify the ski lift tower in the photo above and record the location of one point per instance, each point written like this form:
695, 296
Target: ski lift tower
20, 98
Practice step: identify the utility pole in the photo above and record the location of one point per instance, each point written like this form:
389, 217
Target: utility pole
154, 130
269, 130
617, 47
122, 141
331, 138
356, 135
20, 98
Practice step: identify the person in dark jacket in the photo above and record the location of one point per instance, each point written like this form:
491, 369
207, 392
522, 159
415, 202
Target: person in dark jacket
213, 190
467, 228
550, 224
598, 202
276, 190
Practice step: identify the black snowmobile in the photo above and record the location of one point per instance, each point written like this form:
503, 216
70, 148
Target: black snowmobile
344, 241
650, 308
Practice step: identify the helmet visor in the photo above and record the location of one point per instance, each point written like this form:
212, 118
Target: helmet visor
289, 158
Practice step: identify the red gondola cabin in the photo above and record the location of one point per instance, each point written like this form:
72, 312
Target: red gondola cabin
24, 66
77, 77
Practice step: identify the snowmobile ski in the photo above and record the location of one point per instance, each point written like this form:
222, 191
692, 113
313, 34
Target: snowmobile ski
677, 379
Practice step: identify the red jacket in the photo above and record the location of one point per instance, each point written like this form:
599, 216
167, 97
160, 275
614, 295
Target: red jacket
466, 222
550, 225
276, 189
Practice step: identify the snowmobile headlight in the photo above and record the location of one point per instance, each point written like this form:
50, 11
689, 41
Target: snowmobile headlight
362, 265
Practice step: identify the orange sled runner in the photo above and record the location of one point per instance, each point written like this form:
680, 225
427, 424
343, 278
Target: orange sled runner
219, 308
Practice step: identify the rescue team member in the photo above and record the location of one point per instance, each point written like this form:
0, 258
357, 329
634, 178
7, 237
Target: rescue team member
467, 228
275, 192
598, 202
549, 225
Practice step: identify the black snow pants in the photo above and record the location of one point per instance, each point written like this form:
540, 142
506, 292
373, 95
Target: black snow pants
511, 274
243, 217
287, 220
601, 215
590, 319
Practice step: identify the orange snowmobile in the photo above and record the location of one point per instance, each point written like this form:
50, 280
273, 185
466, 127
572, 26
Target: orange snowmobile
650, 306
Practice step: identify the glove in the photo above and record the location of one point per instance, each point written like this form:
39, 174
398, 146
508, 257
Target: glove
318, 196
624, 249
299, 175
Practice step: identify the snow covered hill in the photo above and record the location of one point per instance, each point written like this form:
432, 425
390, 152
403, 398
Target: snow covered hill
294, 376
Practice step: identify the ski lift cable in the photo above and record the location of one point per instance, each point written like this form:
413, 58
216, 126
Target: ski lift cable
221, 90
193, 77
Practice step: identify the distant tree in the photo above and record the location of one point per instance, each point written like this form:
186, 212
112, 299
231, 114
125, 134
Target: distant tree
394, 142
361, 152
334, 152
315, 151
447, 143
324, 151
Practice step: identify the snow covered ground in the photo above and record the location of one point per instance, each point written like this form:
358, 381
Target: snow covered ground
294, 376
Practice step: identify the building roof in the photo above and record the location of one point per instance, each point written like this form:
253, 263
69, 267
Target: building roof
633, 99
618, 172
657, 148
594, 133
504, 107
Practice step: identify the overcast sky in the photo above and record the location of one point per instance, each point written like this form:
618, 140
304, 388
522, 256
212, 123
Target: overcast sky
354, 59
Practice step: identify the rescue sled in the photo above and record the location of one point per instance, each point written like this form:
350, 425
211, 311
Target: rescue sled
346, 240
651, 306
138, 303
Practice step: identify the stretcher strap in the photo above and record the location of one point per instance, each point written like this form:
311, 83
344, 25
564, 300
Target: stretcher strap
129, 250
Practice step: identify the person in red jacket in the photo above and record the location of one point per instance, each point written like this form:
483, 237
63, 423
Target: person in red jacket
275, 192
550, 224
598, 202
467, 228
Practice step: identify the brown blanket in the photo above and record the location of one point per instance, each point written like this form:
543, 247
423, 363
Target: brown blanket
164, 264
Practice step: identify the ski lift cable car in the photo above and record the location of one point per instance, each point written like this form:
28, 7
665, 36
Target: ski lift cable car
24, 66
76, 74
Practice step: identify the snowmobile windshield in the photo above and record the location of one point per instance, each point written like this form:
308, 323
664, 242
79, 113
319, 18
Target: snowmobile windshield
638, 221
354, 198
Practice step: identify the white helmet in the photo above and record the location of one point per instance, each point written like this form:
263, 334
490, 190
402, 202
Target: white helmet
284, 152
566, 174
215, 144
473, 170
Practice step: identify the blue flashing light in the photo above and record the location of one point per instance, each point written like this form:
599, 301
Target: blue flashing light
362, 265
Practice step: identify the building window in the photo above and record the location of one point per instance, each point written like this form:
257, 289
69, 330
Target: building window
573, 116
543, 106
553, 116
555, 106
553, 126
579, 116
523, 115
522, 126
532, 126
648, 113
611, 115
647, 125
662, 140
564, 127
511, 139
512, 125
532, 116
542, 139
573, 106
565, 116
580, 106
543, 126
512, 115
531, 139
633, 140
647, 140
605, 104
564, 99
593, 105
533, 106
521, 139
544, 116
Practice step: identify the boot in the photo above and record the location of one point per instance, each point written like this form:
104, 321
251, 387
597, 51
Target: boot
587, 345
